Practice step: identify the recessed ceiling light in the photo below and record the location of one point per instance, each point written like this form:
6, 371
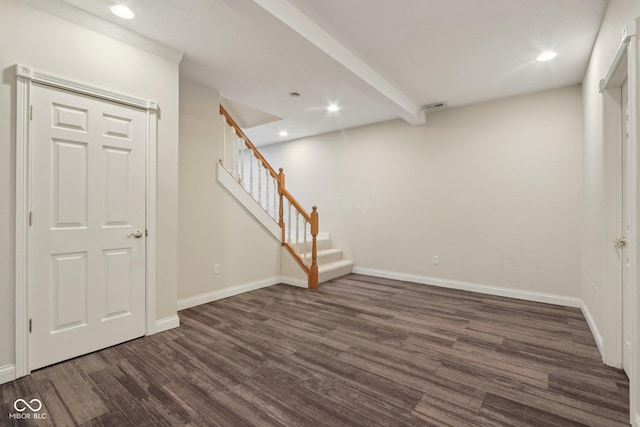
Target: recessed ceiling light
333, 108
122, 11
546, 56
284, 133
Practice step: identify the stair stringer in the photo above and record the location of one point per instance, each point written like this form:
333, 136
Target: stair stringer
249, 203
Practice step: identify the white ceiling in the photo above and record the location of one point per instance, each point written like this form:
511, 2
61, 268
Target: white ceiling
378, 59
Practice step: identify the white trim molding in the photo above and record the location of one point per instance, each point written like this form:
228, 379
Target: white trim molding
593, 327
23, 134
225, 293
473, 287
294, 282
634, 135
167, 323
151, 215
7, 373
636, 419
615, 71
25, 78
28, 73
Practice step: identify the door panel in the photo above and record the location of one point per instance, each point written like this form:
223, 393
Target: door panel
117, 163
117, 282
69, 178
86, 266
68, 300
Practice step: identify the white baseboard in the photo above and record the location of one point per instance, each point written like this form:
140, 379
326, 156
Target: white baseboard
592, 325
294, 282
167, 323
474, 287
225, 293
7, 373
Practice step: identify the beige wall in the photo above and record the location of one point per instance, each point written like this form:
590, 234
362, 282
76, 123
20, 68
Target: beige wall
57, 47
214, 227
594, 287
494, 190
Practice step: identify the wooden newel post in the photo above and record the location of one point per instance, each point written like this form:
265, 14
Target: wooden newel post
280, 194
313, 276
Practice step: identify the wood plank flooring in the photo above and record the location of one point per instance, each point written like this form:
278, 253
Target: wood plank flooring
359, 351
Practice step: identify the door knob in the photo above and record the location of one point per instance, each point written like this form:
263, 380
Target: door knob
620, 242
137, 234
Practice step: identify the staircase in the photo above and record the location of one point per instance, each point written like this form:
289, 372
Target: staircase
329, 260
248, 176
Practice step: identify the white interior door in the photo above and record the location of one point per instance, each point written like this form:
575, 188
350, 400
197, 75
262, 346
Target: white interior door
87, 258
628, 206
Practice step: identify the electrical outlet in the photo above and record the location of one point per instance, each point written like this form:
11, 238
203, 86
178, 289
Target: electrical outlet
435, 260
216, 269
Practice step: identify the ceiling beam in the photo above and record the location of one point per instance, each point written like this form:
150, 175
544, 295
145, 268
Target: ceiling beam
377, 85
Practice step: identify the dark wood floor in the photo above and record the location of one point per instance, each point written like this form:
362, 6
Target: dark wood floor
359, 351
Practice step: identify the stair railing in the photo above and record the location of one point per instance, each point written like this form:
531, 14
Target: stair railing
254, 173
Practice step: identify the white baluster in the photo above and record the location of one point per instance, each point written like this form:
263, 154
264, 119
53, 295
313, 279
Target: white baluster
251, 156
267, 199
234, 153
224, 140
242, 173
275, 199
289, 224
259, 199
304, 230
298, 229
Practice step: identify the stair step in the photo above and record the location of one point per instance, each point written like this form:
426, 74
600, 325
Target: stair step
333, 270
325, 256
321, 244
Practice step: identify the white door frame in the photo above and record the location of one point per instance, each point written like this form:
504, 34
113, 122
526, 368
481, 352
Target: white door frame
25, 78
625, 66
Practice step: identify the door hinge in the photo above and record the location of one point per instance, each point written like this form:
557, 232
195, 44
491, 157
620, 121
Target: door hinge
146, 233
30, 112
30, 325
30, 218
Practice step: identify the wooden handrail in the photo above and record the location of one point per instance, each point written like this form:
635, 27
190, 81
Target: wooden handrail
248, 142
312, 219
296, 204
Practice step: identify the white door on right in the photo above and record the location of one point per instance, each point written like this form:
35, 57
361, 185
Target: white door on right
628, 151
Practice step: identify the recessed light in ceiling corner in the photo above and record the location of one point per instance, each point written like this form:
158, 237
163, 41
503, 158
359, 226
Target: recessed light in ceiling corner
122, 11
284, 133
332, 108
546, 56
